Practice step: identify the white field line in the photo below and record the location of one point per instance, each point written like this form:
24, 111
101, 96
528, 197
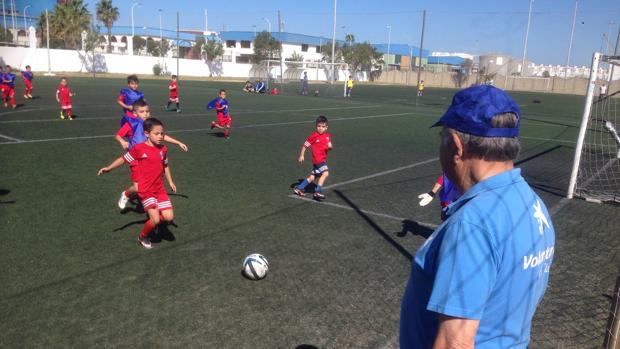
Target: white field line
11, 138
368, 212
383, 173
549, 139
206, 113
209, 129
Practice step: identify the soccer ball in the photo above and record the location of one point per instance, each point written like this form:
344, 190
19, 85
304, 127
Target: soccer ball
255, 266
316, 93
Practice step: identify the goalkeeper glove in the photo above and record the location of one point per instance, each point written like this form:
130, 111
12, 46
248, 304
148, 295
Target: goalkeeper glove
426, 198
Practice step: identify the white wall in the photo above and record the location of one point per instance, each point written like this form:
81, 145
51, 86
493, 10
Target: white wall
77, 61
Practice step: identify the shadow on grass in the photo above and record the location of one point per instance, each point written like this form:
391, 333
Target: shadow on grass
6, 192
142, 221
403, 251
162, 233
306, 346
414, 228
309, 189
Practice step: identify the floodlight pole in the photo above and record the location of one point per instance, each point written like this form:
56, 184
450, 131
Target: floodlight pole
178, 48
268, 57
280, 25
527, 33
25, 23
421, 48
611, 66
3, 15
570, 43
334, 42
47, 29
389, 28
13, 16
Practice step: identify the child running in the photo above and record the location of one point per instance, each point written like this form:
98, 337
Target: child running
448, 193
129, 95
8, 93
220, 104
151, 157
321, 143
63, 96
173, 96
27, 76
130, 134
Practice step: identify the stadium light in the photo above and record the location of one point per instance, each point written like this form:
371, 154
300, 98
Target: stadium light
570, 43
527, 33
268, 23
389, 28
25, 23
3, 15
132, 22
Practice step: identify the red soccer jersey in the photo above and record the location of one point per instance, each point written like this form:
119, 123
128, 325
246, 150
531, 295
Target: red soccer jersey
125, 131
321, 144
151, 163
64, 93
174, 89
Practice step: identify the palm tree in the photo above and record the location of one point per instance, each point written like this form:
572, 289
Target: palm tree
68, 21
108, 14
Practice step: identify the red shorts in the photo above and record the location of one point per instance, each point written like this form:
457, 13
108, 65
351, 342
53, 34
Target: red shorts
8, 91
158, 199
65, 104
174, 98
134, 173
224, 121
28, 84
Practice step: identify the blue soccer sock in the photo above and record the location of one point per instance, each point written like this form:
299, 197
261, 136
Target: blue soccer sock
318, 189
303, 184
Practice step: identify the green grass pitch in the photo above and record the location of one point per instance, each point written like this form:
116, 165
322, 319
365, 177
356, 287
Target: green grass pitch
74, 276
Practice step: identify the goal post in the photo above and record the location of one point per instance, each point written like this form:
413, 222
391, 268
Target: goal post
595, 174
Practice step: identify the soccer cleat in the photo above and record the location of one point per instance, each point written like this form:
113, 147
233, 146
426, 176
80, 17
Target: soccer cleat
6, 105
122, 202
70, 117
299, 192
319, 196
178, 110
145, 242
26, 96
30, 96
212, 125
165, 107
62, 116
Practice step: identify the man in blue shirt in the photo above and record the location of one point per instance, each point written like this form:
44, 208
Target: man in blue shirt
477, 280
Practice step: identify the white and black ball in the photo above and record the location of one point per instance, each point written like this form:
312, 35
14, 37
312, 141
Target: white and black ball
255, 266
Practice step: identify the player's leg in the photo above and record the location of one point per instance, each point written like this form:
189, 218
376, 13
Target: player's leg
299, 189
322, 173
177, 101
150, 225
167, 106
5, 97
12, 96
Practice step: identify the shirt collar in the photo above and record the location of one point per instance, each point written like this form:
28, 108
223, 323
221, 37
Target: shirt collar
499, 180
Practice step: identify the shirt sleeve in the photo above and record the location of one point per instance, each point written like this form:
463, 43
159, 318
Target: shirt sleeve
124, 131
467, 268
131, 155
308, 142
121, 98
166, 157
440, 180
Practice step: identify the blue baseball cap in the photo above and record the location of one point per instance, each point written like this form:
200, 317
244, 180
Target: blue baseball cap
473, 108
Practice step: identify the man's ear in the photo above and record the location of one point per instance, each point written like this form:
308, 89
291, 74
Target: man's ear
458, 146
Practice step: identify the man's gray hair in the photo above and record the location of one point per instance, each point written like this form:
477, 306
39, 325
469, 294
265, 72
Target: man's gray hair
490, 148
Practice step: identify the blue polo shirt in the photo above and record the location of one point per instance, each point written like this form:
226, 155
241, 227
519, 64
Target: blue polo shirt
488, 261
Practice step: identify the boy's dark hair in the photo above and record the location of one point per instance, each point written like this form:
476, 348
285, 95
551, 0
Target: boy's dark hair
63, 78
222, 90
27, 66
150, 123
139, 103
132, 78
173, 77
321, 120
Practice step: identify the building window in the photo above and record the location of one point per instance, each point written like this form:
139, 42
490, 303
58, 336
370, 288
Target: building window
244, 59
246, 44
318, 49
226, 58
231, 43
304, 48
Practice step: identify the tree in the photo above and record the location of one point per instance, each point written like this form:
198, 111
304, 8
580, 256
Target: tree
5, 35
265, 47
157, 48
546, 74
295, 57
213, 49
199, 44
68, 20
326, 52
107, 14
138, 44
362, 57
92, 39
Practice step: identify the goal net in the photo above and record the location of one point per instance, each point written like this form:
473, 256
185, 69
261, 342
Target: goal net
596, 168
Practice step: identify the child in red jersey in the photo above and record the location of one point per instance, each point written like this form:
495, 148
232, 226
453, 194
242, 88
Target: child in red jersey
8, 89
173, 96
63, 96
220, 104
152, 160
320, 142
27, 76
132, 133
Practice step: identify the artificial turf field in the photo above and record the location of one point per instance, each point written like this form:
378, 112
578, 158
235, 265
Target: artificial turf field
74, 276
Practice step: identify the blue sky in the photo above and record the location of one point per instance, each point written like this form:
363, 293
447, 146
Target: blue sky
476, 26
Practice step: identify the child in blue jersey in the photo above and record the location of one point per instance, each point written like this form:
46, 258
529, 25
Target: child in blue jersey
8, 93
220, 104
448, 193
27, 76
129, 95
132, 133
